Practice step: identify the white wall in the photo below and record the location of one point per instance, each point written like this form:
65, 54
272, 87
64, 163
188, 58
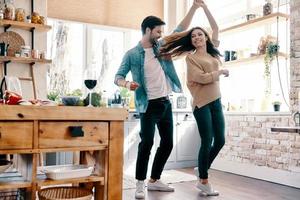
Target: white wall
23, 70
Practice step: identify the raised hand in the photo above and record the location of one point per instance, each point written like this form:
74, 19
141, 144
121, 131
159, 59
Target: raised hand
202, 4
197, 4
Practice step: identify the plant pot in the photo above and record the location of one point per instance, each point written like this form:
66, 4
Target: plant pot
276, 107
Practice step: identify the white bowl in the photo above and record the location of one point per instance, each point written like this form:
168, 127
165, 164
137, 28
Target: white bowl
4, 165
58, 172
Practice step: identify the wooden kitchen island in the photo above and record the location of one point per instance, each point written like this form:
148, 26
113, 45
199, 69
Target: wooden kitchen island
28, 131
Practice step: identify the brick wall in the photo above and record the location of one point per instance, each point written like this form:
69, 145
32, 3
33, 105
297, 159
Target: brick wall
295, 54
249, 140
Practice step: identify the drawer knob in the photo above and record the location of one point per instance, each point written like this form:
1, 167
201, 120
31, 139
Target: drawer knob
76, 131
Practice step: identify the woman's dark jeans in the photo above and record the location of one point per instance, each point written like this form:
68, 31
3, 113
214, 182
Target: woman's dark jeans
211, 126
159, 112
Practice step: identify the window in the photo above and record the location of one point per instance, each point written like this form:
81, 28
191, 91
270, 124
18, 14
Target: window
68, 55
74, 46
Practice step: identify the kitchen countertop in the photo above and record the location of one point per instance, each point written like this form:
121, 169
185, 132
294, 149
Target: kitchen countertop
176, 110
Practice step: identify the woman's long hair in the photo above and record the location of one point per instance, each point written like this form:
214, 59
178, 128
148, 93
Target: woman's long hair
178, 44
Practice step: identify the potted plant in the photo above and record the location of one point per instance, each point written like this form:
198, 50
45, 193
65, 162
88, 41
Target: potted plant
276, 105
271, 51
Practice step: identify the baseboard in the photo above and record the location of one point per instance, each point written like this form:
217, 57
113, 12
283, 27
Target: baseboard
260, 172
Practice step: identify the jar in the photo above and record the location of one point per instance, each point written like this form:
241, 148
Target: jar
9, 10
181, 102
20, 14
41, 20
35, 17
268, 8
42, 55
1, 14
35, 53
25, 51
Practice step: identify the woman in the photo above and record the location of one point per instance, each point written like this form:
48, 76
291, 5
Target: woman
203, 61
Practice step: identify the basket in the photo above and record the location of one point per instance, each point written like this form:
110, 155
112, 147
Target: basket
16, 194
65, 193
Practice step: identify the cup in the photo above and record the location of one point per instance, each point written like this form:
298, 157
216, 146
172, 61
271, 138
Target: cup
35, 53
233, 55
226, 56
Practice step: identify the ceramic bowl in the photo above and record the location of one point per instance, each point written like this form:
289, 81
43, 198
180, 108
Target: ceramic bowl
70, 100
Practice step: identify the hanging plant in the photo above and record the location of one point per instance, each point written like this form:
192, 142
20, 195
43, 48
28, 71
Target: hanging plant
271, 51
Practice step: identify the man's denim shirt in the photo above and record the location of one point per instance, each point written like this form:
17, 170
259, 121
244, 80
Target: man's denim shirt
133, 61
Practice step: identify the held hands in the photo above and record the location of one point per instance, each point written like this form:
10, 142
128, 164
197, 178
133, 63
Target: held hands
198, 3
202, 3
224, 72
131, 85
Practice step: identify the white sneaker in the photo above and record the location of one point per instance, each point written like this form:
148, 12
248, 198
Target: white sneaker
140, 190
207, 189
159, 186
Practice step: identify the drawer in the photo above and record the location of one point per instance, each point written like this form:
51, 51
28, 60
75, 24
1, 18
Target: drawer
16, 135
59, 134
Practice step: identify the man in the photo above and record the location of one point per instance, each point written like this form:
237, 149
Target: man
154, 78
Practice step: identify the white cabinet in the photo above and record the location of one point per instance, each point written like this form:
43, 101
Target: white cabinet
186, 142
131, 141
188, 139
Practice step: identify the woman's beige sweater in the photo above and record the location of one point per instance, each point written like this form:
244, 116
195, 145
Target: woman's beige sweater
203, 79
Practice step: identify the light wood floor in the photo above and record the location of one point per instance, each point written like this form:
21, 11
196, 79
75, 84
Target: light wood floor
230, 186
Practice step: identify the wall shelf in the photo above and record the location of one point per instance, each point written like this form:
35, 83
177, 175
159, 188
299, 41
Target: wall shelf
252, 59
13, 59
256, 22
13, 180
23, 25
48, 182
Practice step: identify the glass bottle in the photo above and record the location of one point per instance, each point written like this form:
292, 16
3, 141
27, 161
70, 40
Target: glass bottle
104, 99
267, 8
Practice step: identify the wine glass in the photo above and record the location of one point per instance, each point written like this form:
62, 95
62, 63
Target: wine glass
90, 81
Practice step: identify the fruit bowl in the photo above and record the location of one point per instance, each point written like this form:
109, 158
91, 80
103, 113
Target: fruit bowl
4, 165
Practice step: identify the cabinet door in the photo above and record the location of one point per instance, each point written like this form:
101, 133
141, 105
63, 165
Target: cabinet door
131, 142
188, 139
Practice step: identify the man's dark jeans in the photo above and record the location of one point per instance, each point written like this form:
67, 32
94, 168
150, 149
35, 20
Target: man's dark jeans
159, 112
211, 126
